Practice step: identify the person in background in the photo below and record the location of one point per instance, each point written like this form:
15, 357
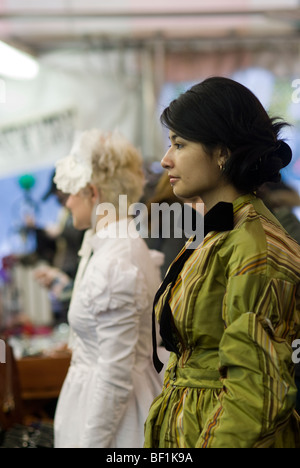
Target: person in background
171, 246
229, 309
180, 227
111, 381
67, 239
58, 244
282, 200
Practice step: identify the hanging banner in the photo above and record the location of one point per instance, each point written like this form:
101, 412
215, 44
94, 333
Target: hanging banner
36, 142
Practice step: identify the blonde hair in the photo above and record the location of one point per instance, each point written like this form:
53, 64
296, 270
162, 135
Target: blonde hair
117, 169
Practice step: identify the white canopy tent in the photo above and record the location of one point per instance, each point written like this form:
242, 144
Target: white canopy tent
103, 64
39, 23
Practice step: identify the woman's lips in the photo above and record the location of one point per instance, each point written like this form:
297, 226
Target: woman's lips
173, 179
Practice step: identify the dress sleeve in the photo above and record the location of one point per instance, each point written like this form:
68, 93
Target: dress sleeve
255, 364
117, 318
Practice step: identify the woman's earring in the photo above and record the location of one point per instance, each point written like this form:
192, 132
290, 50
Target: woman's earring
221, 167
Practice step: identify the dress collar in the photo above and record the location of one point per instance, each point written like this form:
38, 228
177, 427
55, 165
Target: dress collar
219, 218
85, 249
116, 230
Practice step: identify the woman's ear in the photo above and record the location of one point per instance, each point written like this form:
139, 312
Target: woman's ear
95, 194
223, 156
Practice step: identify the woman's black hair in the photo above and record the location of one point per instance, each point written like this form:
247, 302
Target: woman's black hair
219, 112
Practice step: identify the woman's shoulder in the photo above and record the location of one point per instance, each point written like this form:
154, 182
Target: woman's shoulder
258, 242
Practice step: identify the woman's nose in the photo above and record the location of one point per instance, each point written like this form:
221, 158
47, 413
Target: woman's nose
167, 161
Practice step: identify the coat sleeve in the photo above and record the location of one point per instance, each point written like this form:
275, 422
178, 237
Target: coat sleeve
117, 316
255, 364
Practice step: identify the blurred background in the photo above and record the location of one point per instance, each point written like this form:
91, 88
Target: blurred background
115, 65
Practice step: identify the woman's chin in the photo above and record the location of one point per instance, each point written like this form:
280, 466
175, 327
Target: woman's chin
79, 225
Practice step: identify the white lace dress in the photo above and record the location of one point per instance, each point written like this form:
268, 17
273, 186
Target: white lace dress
111, 382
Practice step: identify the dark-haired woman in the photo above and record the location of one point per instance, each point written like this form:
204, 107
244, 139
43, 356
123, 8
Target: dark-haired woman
229, 309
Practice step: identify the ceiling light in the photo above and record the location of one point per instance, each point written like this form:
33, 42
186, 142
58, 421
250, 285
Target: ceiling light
17, 64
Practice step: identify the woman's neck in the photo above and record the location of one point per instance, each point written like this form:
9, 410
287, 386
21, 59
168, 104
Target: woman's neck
224, 194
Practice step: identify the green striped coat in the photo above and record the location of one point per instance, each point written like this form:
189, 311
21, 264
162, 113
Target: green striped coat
236, 306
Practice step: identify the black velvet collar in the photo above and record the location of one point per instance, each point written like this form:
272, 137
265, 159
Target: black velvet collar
219, 218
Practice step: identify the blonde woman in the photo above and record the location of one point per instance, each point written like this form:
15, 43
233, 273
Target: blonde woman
111, 382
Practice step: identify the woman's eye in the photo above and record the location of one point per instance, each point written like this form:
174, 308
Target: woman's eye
177, 146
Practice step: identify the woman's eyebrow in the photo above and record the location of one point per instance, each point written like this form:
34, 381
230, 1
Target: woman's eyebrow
173, 137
